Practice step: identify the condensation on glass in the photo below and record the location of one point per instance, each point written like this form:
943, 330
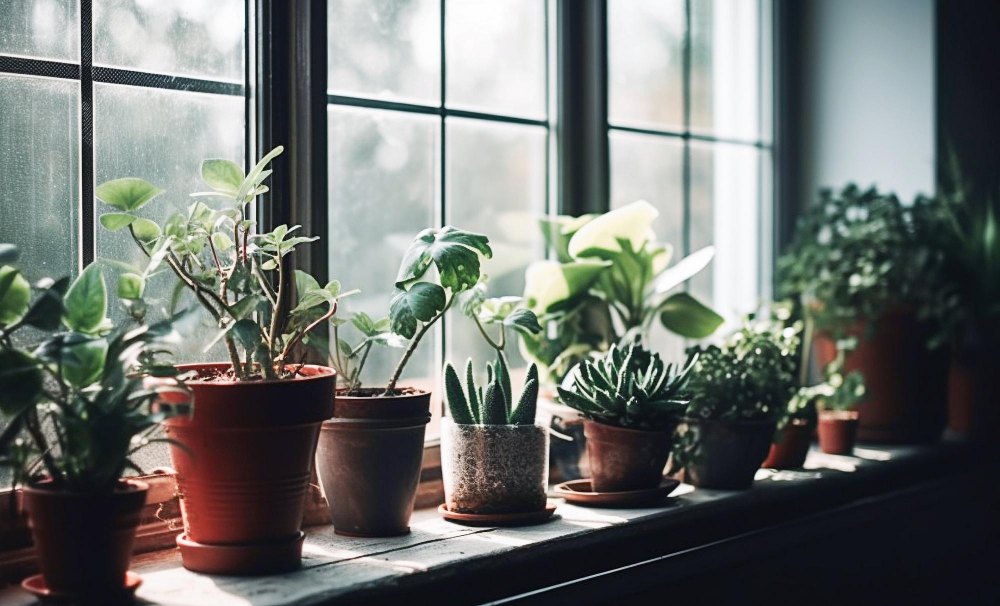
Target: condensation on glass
41, 29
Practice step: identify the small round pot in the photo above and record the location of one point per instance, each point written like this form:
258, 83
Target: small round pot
838, 430
245, 468
790, 446
84, 541
369, 460
626, 459
492, 469
726, 454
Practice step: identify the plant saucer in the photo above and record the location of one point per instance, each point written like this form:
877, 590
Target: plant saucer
579, 492
37, 586
498, 519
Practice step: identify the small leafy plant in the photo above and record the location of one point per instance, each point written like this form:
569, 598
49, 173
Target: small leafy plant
74, 405
628, 386
609, 283
495, 405
838, 391
241, 278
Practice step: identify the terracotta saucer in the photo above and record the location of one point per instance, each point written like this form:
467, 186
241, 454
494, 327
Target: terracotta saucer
35, 585
498, 519
242, 560
579, 492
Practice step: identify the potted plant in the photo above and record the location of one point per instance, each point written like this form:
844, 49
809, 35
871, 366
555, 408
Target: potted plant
864, 269
738, 391
245, 472
797, 423
609, 280
630, 401
838, 403
74, 411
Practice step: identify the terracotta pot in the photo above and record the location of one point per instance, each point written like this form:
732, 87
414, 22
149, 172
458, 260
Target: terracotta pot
973, 391
726, 454
369, 461
626, 459
494, 469
84, 541
245, 469
837, 431
906, 383
790, 446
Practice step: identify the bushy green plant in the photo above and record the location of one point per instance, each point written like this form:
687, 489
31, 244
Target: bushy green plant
609, 283
241, 278
495, 404
628, 386
838, 390
72, 396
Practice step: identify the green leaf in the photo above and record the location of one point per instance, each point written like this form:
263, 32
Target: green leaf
454, 396
455, 252
222, 175
524, 321
221, 241
86, 302
257, 173
494, 411
245, 306
364, 323
127, 194
422, 302
131, 286
686, 316
83, 361
304, 282
248, 333
145, 230
20, 381
116, 221
47, 310
8, 253
15, 295
269, 265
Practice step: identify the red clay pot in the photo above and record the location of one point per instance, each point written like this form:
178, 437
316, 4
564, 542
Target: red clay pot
84, 541
727, 454
837, 431
245, 469
626, 459
973, 393
791, 445
906, 383
369, 461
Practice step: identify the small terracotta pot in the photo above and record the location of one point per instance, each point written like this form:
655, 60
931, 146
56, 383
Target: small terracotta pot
626, 459
494, 469
84, 541
244, 470
837, 430
790, 446
369, 461
726, 454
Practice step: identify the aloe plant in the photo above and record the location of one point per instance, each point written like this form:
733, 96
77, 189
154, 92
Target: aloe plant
628, 386
495, 404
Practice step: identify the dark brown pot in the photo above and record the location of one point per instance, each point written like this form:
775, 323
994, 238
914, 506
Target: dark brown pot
906, 383
837, 431
960, 390
369, 461
625, 459
726, 454
245, 469
84, 541
973, 393
790, 446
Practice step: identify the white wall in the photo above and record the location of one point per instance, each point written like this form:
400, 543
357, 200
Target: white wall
868, 110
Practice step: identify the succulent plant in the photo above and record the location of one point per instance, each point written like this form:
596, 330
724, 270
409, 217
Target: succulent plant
629, 386
495, 405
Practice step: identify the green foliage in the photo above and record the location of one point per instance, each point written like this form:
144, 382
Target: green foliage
628, 386
74, 404
494, 406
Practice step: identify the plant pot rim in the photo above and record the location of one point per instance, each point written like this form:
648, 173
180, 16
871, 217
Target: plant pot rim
839, 414
482, 426
755, 422
321, 373
123, 486
417, 393
668, 429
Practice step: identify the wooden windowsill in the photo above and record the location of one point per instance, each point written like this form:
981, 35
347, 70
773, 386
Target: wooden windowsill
440, 558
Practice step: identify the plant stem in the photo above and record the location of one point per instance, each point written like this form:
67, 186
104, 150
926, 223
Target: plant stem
499, 344
298, 336
391, 387
279, 308
43, 446
356, 377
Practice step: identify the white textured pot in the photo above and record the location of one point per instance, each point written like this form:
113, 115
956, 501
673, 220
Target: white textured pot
494, 468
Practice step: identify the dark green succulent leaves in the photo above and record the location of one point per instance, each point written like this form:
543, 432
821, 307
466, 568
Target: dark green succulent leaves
453, 251
473, 406
421, 303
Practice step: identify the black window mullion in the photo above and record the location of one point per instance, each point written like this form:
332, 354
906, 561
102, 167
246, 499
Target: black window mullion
686, 158
88, 241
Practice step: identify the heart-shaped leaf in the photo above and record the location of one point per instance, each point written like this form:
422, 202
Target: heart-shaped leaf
420, 303
524, 321
222, 175
127, 194
83, 360
47, 310
453, 251
131, 286
86, 302
116, 221
145, 230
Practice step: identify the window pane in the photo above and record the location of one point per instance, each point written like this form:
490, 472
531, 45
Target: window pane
645, 62
200, 39
725, 75
725, 212
39, 183
496, 185
46, 29
645, 167
385, 49
496, 56
383, 191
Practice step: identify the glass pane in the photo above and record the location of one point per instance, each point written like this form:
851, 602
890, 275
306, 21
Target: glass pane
496, 186
496, 56
646, 63
200, 39
383, 191
725, 68
46, 29
39, 182
388, 49
725, 211
645, 167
